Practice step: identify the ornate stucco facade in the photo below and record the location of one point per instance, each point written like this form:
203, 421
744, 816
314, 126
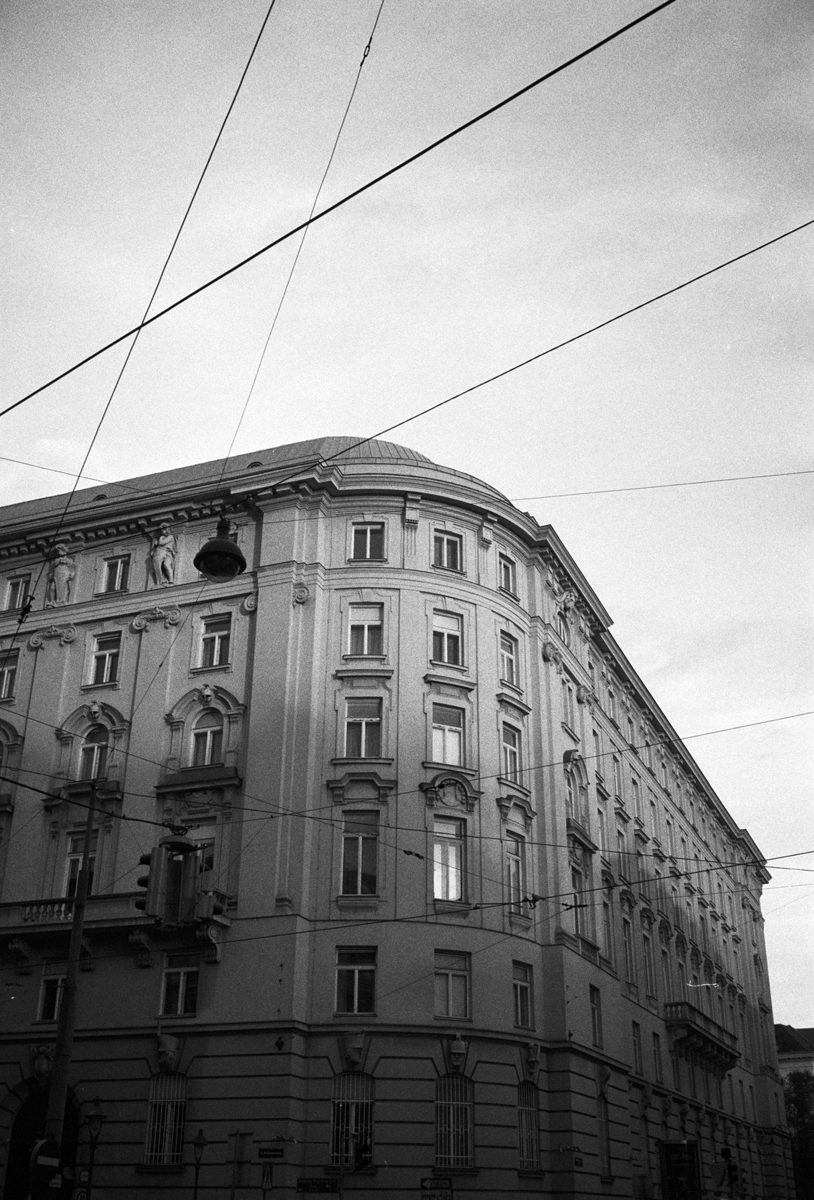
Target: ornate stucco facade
464, 906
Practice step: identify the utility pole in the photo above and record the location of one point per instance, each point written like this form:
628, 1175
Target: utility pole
58, 1092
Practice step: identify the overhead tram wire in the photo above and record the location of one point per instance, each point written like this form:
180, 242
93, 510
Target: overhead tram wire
144, 321
293, 267
642, 487
371, 183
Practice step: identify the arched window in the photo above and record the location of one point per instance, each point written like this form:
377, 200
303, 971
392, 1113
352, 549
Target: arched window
453, 1121
93, 755
352, 1120
207, 740
571, 795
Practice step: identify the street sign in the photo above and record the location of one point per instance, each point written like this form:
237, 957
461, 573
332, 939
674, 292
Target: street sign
270, 1152
323, 1186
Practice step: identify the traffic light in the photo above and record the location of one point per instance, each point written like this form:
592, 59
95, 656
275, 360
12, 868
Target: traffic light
171, 882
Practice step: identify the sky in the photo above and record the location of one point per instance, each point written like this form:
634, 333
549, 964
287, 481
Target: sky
679, 145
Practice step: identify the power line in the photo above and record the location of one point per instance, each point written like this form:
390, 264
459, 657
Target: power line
346, 199
648, 487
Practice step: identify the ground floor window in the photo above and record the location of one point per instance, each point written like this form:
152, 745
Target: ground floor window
453, 1122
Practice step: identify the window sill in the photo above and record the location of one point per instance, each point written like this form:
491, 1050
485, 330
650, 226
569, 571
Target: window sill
363, 762
223, 667
511, 595
452, 906
112, 685
7, 699
375, 561
358, 903
347, 1016
111, 592
448, 570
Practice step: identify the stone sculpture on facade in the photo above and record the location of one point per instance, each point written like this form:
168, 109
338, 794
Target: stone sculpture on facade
162, 556
60, 578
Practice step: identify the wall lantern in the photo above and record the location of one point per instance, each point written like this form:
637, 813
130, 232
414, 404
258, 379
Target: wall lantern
220, 559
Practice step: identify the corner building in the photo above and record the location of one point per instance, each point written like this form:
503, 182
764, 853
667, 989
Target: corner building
462, 908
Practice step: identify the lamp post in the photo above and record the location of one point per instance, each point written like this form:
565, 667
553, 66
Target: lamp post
95, 1120
198, 1144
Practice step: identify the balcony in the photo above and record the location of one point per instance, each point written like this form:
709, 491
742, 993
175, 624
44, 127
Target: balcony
693, 1032
48, 915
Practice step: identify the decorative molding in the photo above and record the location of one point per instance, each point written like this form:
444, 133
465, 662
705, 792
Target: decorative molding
552, 655
250, 603
300, 593
142, 956
169, 617
210, 934
23, 954
507, 803
64, 633
450, 789
412, 509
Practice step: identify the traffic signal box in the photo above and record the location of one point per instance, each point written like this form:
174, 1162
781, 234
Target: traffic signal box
171, 881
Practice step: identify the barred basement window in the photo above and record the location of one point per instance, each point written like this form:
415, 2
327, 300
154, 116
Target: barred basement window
528, 1126
352, 1119
166, 1109
453, 1122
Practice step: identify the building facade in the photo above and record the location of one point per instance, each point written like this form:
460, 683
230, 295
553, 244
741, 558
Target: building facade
435, 891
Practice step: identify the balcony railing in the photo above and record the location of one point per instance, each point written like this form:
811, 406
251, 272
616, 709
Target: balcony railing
692, 1031
56, 912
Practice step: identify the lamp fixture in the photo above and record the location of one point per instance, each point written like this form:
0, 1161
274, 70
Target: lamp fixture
220, 559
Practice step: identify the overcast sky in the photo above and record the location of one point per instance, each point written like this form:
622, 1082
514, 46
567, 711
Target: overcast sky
680, 145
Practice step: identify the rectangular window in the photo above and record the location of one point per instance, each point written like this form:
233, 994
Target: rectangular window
617, 776
215, 637
649, 969
522, 988
453, 1122
657, 1067
8, 672
447, 734
578, 887
595, 998
166, 1109
607, 929
597, 740
637, 798
508, 660
516, 870
510, 745
366, 624
106, 658
51, 992
73, 862
447, 551
451, 984
528, 1126
360, 844
368, 541
363, 729
179, 996
447, 638
351, 1120
355, 980
568, 708
627, 948
19, 587
116, 573
448, 859
637, 1047
612, 705
507, 574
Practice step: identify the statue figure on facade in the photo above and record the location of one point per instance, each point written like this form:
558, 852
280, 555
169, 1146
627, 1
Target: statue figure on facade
60, 578
162, 556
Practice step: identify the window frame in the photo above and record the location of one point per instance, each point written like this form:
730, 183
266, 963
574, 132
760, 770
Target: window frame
372, 629
18, 591
509, 658
369, 726
511, 750
352, 1117
370, 530
507, 574
442, 543
355, 966
358, 847
595, 1002
444, 640
523, 994
188, 980
166, 1117
515, 847
452, 752
115, 574
51, 997
449, 859
215, 641
528, 1126
207, 743
94, 753
106, 658
452, 976
74, 853
9, 665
